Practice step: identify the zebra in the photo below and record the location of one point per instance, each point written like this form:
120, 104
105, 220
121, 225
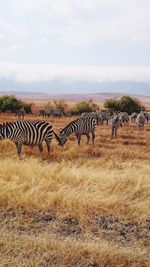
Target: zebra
140, 120
146, 115
103, 115
21, 114
43, 113
124, 117
58, 113
29, 133
94, 115
80, 126
114, 123
99, 116
134, 116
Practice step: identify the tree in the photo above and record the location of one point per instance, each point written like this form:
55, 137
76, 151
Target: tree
81, 107
112, 104
13, 104
57, 104
130, 105
125, 104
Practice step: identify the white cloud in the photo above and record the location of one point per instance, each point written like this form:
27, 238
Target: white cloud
78, 23
27, 73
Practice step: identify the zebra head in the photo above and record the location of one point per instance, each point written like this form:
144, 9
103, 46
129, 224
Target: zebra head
63, 137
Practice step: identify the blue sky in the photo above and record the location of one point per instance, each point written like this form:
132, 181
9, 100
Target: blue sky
67, 42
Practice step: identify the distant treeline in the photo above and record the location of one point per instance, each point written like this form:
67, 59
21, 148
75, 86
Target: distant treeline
124, 104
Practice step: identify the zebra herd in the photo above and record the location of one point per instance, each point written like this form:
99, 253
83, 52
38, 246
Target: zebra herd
33, 133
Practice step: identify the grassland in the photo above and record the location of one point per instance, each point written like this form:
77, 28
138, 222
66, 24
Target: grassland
82, 206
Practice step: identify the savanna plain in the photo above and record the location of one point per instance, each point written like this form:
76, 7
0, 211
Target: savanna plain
81, 206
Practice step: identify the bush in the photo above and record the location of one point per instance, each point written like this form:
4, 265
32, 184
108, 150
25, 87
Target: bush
81, 107
57, 104
125, 104
13, 104
112, 104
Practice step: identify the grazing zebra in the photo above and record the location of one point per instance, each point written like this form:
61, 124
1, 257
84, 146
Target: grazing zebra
134, 116
21, 114
29, 133
114, 123
80, 126
140, 120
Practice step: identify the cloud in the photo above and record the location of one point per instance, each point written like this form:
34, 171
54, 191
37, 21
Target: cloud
77, 23
31, 73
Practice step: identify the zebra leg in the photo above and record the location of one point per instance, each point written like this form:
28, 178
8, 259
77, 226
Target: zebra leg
78, 138
48, 147
40, 147
112, 133
88, 138
115, 132
93, 137
19, 147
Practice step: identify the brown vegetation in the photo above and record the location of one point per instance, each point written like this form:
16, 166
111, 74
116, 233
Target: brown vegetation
82, 206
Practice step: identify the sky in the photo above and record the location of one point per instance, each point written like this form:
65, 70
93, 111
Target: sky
64, 46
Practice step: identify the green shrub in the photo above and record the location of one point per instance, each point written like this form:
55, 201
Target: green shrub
13, 104
124, 104
81, 107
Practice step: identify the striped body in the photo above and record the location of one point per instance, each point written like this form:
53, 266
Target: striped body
87, 115
81, 126
29, 133
114, 123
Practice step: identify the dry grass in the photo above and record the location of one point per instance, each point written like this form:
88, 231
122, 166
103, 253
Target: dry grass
83, 206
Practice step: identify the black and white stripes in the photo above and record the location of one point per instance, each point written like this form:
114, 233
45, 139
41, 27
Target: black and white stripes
81, 126
29, 133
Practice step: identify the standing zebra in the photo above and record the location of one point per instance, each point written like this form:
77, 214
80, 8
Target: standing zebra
80, 126
114, 123
29, 133
140, 120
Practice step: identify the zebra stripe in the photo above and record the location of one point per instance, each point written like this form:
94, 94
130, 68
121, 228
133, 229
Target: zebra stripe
29, 133
80, 126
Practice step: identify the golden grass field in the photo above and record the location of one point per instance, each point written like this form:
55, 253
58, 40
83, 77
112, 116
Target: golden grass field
82, 206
